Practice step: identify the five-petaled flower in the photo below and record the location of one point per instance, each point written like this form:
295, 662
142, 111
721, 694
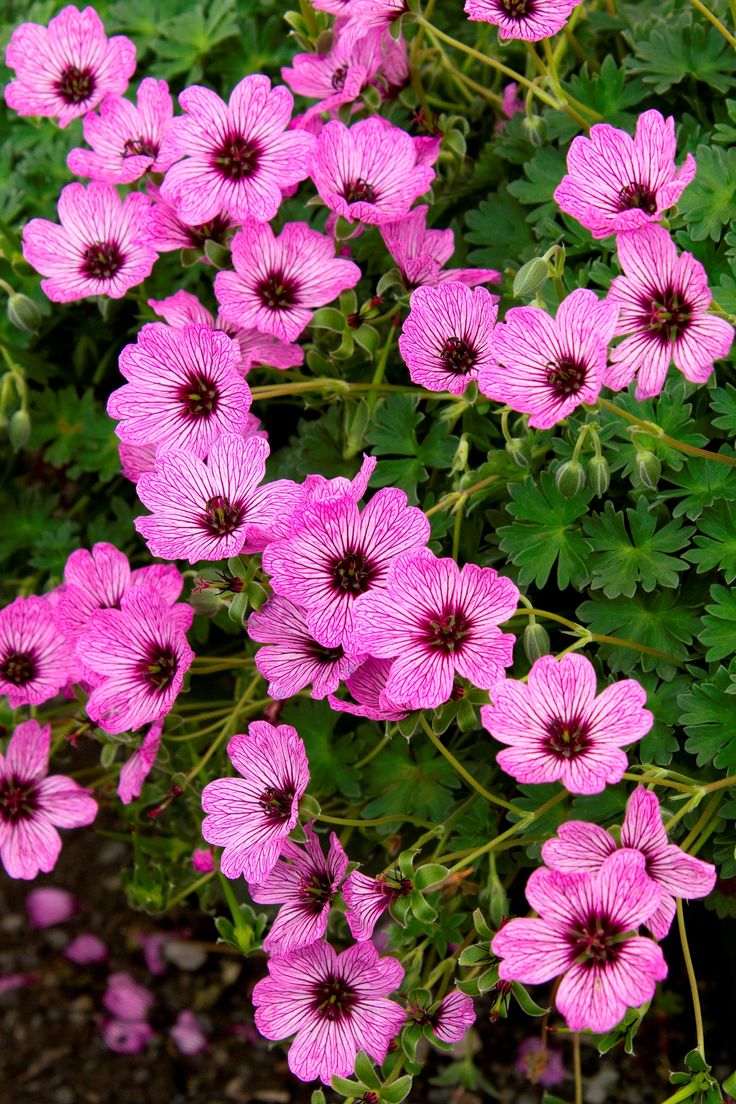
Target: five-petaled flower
530, 20
34, 656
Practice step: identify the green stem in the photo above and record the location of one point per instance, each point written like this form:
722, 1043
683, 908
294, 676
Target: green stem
453, 497
700, 1034
374, 751
457, 529
399, 818
224, 731
684, 1093
598, 638
577, 1067
380, 371
342, 387
515, 829
702, 820
653, 429
715, 21
182, 896
460, 769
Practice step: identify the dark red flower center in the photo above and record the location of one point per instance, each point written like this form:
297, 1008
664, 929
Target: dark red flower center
18, 800
278, 292
102, 260
199, 396
214, 230
75, 85
276, 803
321, 654
598, 938
667, 315
447, 632
567, 739
338, 78
18, 668
237, 157
638, 196
458, 356
159, 667
140, 147
518, 9
333, 998
222, 517
353, 573
317, 891
565, 376
360, 191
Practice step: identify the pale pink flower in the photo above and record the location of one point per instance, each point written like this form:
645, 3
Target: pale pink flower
34, 657
86, 950
335, 1004
446, 339
203, 860
167, 231
616, 183
367, 685
125, 999
65, 69
336, 78
367, 899
542, 1064
126, 1037
559, 731
136, 770
420, 253
188, 1035
48, 906
530, 20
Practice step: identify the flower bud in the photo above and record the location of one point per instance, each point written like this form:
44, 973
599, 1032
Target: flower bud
19, 429
599, 475
516, 450
648, 468
570, 478
23, 313
535, 129
536, 641
530, 277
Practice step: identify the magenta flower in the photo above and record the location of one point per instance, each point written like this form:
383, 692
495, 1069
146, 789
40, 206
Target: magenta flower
559, 731
581, 847
335, 1004
208, 511
367, 685
34, 659
100, 248
336, 78
167, 231
452, 1019
136, 770
421, 253
578, 934
278, 281
137, 459
616, 183
341, 553
33, 806
318, 489
184, 389
305, 883
370, 16
435, 621
188, 1035
48, 906
126, 1037
545, 367
142, 654
203, 860
250, 817
239, 156
65, 69
542, 1064
293, 658
371, 171
367, 899
664, 300
86, 950
446, 339
125, 999
530, 20
511, 104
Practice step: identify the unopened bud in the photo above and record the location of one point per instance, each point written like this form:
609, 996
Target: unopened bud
648, 468
23, 313
19, 429
530, 277
536, 641
599, 475
515, 449
535, 129
570, 478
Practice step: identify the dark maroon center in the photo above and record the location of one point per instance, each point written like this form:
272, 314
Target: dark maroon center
333, 999
317, 891
638, 196
353, 573
222, 517
237, 157
447, 632
277, 291
276, 803
159, 668
667, 315
360, 191
214, 230
458, 356
565, 376
140, 147
102, 260
19, 668
339, 77
199, 397
18, 800
598, 939
324, 655
518, 9
567, 739
75, 85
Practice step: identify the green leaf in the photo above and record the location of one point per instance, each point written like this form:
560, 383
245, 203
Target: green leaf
609, 92
707, 717
543, 533
716, 542
624, 559
660, 621
77, 431
720, 624
707, 204
679, 48
410, 778
331, 760
544, 172
365, 1072
393, 432
723, 399
701, 482
499, 226
660, 743
526, 1004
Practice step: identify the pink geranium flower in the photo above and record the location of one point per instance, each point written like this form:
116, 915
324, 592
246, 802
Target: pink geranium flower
126, 139
126, 1037
34, 660
126, 999
239, 156
367, 899
581, 847
304, 882
370, 16
293, 658
335, 1004
530, 20
86, 950
203, 860
335, 78
48, 906
367, 685
188, 1035
139, 765
101, 248
446, 340
141, 653
250, 817
208, 511
545, 367
65, 69
33, 806
421, 253
559, 731
137, 459
278, 281
617, 183
451, 1019
435, 621
578, 934
167, 231
664, 300
341, 553
371, 171
542, 1064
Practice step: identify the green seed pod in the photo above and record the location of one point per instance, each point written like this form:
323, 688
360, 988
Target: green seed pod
530, 277
570, 478
19, 429
648, 469
599, 475
536, 641
516, 450
23, 313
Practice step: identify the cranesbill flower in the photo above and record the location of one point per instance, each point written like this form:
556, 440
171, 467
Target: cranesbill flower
451, 1020
616, 183
371, 171
126, 1036
188, 1035
239, 156
125, 999
142, 653
367, 686
436, 620
203, 860
421, 253
559, 731
208, 511
581, 847
335, 1004
137, 768
578, 934
86, 950
293, 658
65, 69
370, 17
304, 882
446, 340
101, 247
664, 300
367, 899
341, 553
48, 906
250, 817
34, 662
167, 231
530, 20
335, 78
33, 806
545, 367
278, 281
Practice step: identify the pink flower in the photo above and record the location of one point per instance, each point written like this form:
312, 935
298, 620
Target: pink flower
336, 78
278, 281
142, 654
341, 553
252, 816
335, 1004
138, 767
188, 1035
446, 340
126, 1037
367, 684
65, 69
530, 20
48, 906
367, 899
125, 999
125, 139
545, 367
208, 511
237, 156
578, 934
664, 300
319, 489
370, 16
559, 731
167, 231
511, 103
420, 253
435, 620
542, 1064
137, 459
9, 982
184, 389
454, 1017
581, 847
34, 661
294, 659
86, 950
617, 183
101, 248
203, 860
304, 882
372, 171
